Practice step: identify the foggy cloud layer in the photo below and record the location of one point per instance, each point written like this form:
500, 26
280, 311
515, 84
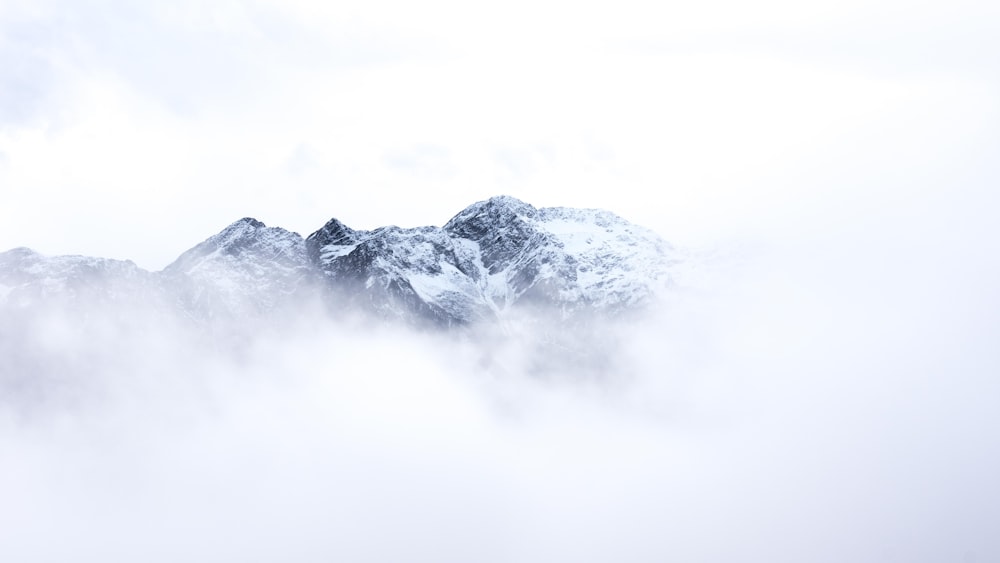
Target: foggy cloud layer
828, 403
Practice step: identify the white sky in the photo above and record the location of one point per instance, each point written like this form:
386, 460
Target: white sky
135, 130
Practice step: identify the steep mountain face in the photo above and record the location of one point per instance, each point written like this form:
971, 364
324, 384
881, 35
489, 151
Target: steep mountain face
569, 257
411, 274
247, 268
494, 260
28, 279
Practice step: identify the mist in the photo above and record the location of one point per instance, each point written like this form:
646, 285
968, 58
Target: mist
826, 397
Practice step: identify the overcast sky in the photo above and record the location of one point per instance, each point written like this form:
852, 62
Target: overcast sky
137, 129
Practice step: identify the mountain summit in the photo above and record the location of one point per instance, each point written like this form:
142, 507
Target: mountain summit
493, 257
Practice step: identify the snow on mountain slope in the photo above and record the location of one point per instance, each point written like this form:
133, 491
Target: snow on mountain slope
495, 259
247, 267
399, 272
491, 257
569, 257
28, 278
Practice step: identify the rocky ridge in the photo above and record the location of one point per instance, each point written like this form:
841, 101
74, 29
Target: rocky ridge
492, 260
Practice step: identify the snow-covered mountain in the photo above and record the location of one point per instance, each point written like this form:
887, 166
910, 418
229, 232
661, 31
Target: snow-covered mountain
245, 269
27, 278
493, 257
493, 260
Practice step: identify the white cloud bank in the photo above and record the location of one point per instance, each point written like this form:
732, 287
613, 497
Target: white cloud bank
825, 402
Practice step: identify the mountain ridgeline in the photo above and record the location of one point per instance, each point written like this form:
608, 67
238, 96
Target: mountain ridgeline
495, 261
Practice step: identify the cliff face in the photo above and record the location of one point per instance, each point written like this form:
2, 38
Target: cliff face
492, 258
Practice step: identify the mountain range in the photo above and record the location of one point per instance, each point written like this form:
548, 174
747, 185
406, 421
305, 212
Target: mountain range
495, 260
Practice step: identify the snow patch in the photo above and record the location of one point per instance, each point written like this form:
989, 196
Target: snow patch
331, 251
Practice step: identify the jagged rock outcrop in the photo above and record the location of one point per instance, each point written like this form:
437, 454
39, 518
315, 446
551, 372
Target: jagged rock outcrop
248, 268
493, 257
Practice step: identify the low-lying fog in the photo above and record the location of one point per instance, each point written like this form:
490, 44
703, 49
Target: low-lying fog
823, 399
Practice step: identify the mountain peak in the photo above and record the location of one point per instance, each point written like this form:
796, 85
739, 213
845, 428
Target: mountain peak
334, 232
248, 228
481, 217
250, 221
245, 237
241, 228
506, 201
502, 204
